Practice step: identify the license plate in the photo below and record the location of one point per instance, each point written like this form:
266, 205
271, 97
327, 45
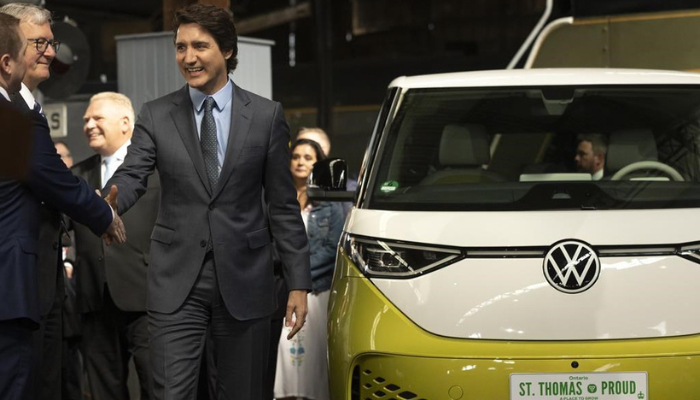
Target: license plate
590, 386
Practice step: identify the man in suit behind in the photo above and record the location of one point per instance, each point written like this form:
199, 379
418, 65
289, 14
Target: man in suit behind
35, 23
216, 147
111, 281
50, 181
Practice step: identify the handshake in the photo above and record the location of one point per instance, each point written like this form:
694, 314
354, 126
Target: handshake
116, 233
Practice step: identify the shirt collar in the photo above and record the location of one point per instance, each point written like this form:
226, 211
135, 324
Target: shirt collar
598, 175
4, 94
27, 96
120, 154
222, 97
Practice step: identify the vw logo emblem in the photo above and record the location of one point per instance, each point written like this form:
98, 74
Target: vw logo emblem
571, 266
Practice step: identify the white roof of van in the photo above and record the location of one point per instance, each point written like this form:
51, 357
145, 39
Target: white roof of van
548, 77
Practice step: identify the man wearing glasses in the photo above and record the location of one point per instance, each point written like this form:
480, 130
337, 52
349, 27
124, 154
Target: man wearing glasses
35, 23
41, 46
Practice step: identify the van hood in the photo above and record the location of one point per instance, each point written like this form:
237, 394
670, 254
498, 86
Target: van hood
643, 289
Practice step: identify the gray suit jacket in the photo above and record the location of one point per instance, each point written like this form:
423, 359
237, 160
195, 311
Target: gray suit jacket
231, 215
122, 267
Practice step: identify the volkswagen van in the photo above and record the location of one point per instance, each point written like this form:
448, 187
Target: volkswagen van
479, 263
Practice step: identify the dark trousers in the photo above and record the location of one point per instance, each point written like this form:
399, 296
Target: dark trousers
276, 325
72, 370
207, 374
15, 360
178, 338
111, 337
269, 381
47, 350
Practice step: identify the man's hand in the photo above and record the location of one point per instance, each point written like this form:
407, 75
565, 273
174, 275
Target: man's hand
116, 233
296, 305
111, 198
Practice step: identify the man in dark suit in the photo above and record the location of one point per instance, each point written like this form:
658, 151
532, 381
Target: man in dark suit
18, 315
50, 181
216, 147
35, 23
111, 281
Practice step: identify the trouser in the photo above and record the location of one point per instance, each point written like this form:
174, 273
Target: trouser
47, 350
111, 337
72, 370
276, 325
207, 382
178, 338
16, 359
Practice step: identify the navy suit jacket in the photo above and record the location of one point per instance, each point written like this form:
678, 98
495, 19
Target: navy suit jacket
49, 256
49, 181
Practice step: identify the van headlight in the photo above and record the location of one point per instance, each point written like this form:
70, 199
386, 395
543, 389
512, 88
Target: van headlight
396, 259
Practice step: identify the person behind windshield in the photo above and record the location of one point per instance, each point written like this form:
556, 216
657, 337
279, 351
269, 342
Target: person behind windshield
590, 154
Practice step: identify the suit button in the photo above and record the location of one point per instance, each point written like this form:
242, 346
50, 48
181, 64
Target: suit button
203, 243
55, 245
100, 258
211, 206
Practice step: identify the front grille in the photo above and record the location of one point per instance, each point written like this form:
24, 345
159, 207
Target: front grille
355, 384
373, 387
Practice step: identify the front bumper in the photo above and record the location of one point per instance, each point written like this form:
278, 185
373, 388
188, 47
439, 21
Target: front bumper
384, 376
376, 352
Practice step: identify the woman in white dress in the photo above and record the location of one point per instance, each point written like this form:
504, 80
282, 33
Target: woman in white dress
302, 363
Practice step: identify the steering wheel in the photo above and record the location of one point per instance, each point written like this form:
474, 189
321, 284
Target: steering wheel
655, 165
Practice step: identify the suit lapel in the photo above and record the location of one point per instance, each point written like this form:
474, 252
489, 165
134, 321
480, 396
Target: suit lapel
241, 119
94, 172
18, 100
183, 116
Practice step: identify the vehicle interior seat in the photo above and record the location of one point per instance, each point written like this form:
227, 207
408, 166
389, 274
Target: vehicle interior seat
629, 146
463, 152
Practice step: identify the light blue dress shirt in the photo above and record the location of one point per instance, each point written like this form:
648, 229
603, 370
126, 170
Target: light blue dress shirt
222, 115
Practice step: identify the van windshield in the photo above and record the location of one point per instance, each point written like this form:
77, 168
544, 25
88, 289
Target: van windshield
535, 148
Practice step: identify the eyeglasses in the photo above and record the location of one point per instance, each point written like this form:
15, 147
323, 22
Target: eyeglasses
42, 44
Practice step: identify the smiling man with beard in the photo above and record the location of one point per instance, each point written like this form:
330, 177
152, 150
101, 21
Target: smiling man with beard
226, 191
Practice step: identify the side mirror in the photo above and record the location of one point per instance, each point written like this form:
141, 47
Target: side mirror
328, 181
329, 174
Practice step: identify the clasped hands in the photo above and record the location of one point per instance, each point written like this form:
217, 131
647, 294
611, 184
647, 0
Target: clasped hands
116, 233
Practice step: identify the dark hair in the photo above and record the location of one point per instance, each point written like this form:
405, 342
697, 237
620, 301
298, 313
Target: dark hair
599, 142
317, 147
10, 39
215, 20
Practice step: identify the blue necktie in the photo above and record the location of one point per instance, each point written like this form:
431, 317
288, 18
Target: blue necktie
37, 108
209, 143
